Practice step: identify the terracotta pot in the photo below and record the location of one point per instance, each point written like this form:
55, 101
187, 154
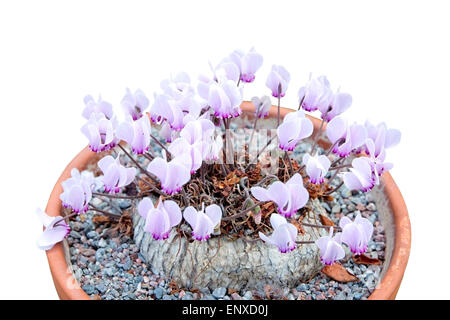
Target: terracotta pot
398, 230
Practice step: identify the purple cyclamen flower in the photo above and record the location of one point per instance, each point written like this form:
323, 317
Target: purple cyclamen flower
362, 175
330, 248
294, 128
225, 99
178, 87
283, 236
278, 81
356, 234
100, 106
167, 133
377, 161
115, 175
339, 103
212, 148
180, 147
262, 106
316, 94
100, 132
135, 103
248, 63
316, 167
176, 113
225, 70
204, 221
192, 142
173, 174
289, 197
160, 220
197, 131
345, 138
382, 137
56, 229
136, 134
77, 191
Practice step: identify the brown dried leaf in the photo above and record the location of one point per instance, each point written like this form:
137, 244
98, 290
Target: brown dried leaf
231, 291
338, 273
267, 291
101, 219
298, 225
363, 259
326, 221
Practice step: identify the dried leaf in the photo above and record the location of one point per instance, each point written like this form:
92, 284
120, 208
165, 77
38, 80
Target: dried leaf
267, 291
363, 259
231, 291
298, 226
338, 273
101, 219
326, 221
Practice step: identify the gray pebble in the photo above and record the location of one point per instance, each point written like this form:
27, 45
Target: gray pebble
92, 234
74, 234
219, 292
102, 243
336, 208
124, 204
89, 289
248, 295
159, 292
101, 287
326, 206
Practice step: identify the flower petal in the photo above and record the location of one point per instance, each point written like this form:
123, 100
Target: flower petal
145, 206
173, 211
214, 212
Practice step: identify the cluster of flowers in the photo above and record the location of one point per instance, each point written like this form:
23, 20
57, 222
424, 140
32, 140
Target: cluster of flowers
188, 116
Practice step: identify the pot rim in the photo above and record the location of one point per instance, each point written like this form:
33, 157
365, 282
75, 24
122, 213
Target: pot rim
68, 288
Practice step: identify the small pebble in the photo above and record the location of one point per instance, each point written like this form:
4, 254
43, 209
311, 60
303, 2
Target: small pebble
336, 208
219, 292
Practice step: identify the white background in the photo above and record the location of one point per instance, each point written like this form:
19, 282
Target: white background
392, 56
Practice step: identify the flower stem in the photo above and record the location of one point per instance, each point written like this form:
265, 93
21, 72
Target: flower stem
243, 212
260, 151
333, 145
288, 159
148, 174
153, 187
316, 137
117, 196
70, 215
279, 107
318, 226
341, 167
161, 145
335, 189
253, 131
94, 208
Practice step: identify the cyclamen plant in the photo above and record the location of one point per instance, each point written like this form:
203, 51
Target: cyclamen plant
192, 125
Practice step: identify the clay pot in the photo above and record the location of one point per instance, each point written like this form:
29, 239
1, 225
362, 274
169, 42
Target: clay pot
390, 203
